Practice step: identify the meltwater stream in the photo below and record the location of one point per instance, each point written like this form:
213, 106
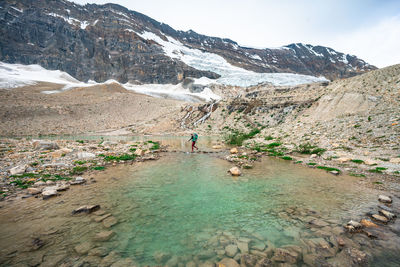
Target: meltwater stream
186, 206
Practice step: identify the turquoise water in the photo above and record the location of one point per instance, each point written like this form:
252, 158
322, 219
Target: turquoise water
184, 203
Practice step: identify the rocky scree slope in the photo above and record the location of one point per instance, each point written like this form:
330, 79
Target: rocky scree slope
101, 42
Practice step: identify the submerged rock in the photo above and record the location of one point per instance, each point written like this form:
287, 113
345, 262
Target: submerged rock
110, 221
161, 257
231, 250
86, 209
380, 218
78, 180
83, 248
104, 236
387, 214
368, 223
284, 255
228, 262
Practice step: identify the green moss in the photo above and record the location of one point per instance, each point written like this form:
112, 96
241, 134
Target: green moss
377, 170
237, 138
312, 163
287, 158
80, 141
357, 126
80, 162
299, 161
156, 145
78, 170
122, 157
377, 182
98, 168
358, 161
356, 174
275, 144
309, 149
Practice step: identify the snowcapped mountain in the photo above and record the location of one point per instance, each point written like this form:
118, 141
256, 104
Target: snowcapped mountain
102, 42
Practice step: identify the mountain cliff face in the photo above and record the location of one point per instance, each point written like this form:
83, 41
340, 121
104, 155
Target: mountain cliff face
101, 42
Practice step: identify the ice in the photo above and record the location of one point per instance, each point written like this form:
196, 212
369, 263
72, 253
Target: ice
230, 75
17, 75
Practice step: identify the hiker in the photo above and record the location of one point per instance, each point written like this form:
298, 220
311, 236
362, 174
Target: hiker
193, 138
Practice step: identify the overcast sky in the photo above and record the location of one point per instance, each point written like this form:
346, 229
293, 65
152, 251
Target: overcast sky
369, 29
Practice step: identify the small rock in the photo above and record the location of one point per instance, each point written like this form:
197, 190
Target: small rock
231, 250
234, 150
384, 199
318, 223
50, 182
78, 180
343, 159
235, 171
370, 162
33, 191
104, 236
228, 262
380, 218
243, 247
17, 170
334, 172
99, 251
62, 187
387, 214
284, 255
217, 147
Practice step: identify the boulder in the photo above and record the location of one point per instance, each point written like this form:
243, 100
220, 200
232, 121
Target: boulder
384, 199
234, 150
243, 247
78, 180
86, 209
50, 182
34, 191
104, 236
235, 171
62, 187
17, 170
85, 155
44, 145
228, 262
231, 250
39, 183
370, 162
343, 159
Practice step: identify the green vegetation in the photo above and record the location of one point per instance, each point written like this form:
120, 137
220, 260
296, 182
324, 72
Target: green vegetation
118, 158
287, 158
377, 182
132, 149
156, 145
377, 170
24, 175
21, 183
237, 138
310, 149
312, 163
80, 141
328, 169
98, 168
79, 162
356, 174
358, 161
369, 118
275, 144
299, 161
357, 126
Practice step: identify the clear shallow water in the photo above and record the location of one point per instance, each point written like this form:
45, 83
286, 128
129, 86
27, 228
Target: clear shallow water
182, 203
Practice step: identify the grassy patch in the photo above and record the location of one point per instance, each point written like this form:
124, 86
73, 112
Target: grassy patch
357, 126
358, 161
156, 145
24, 175
98, 168
309, 149
237, 138
312, 163
269, 137
272, 145
287, 158
80, 141
132, 149
21, 183
377, 170
122, 157
377, 182
298, 162
80, 162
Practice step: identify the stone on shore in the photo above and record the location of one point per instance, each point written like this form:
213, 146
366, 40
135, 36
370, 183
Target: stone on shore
83, 248
384, 199
39, 183
109, 222
368, 223
49, 192
234, 150
235, 171
284, 255
216, 146
395, 160
139, 152
78, 180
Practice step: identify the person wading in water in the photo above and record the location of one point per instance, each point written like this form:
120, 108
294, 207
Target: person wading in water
193, 138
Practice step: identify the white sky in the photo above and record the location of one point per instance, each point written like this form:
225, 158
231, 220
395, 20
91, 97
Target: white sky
369, 29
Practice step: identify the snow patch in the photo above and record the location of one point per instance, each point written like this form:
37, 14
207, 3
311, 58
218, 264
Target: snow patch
255, 57
84, 25
71, 20
344, 59
17, 9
